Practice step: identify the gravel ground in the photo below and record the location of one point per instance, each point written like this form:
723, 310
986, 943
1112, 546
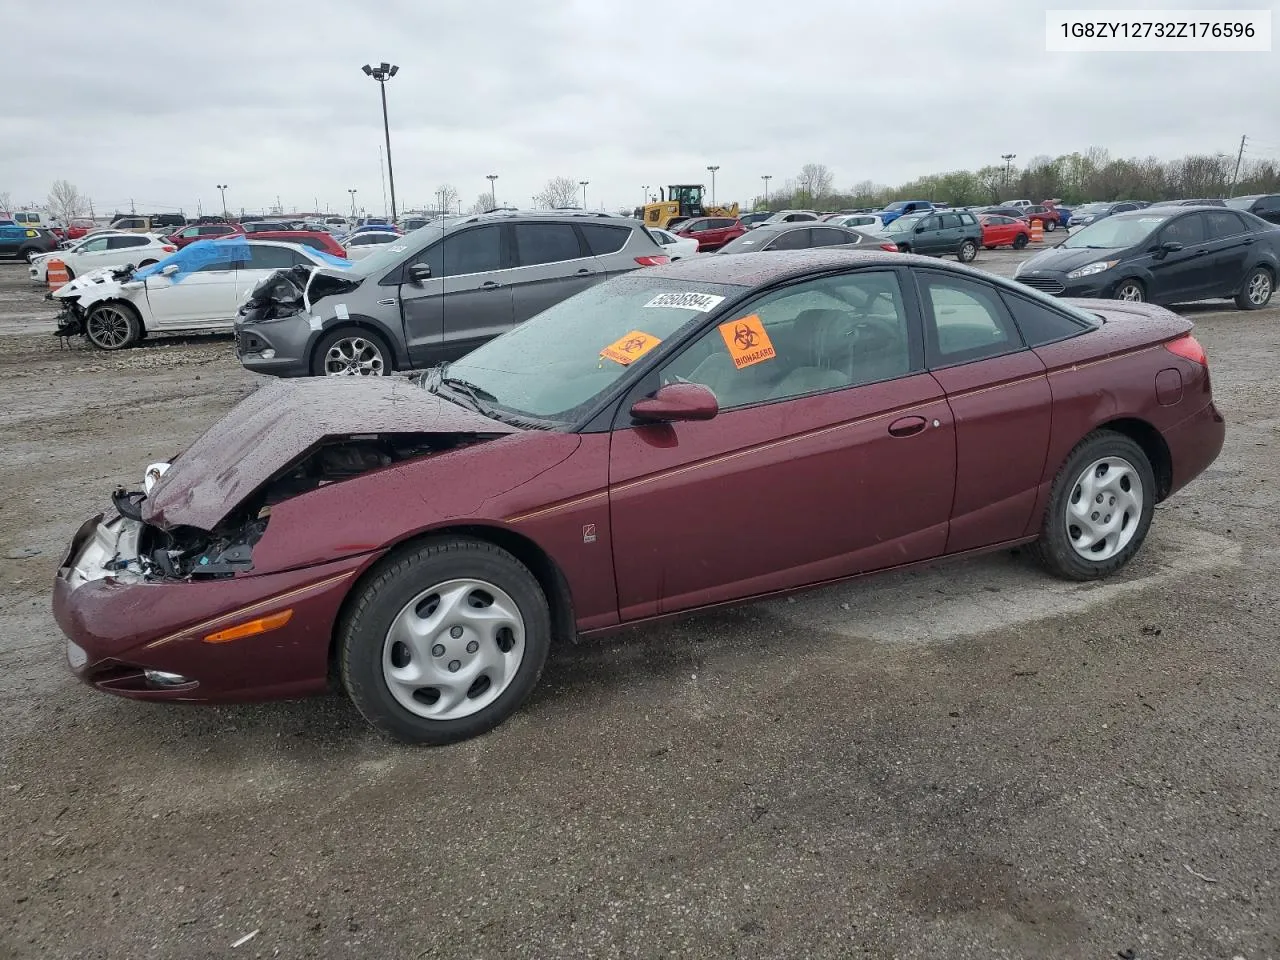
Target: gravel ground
969, 761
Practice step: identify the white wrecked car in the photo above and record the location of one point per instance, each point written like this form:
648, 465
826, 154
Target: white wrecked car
199, 288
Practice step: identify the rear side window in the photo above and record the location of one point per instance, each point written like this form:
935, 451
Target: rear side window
968, 219
950, 221
828, 237
1038, 323
271, 258
1224, 224
602, 239
545, 243
965, 321
121, 243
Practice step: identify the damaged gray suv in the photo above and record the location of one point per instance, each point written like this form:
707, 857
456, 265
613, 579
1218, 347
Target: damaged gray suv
434, 294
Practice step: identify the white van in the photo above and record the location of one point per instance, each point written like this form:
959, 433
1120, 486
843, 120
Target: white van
36, 218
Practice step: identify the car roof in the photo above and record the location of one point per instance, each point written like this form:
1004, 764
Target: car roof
758, 269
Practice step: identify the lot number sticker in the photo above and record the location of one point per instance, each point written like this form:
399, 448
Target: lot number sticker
747, 341
631, 346
702, 302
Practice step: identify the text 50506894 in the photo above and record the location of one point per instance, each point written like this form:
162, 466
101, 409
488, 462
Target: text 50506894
1158, 30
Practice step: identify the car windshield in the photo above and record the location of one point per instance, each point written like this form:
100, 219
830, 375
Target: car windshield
387, 255
1114, 233
1092, 208
904, 224
552, 366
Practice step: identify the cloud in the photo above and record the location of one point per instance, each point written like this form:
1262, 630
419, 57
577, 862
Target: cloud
159, 103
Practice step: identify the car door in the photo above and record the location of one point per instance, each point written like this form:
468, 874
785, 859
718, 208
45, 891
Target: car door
552, 263
928, 239
89, 256
950, 232
796, 238
11, 239
1229, 243
1180, 275
202, 299
1001, 403
466, 301
833, 452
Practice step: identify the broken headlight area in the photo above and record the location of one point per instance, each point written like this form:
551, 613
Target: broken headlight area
71, 319
133, 550
290, 291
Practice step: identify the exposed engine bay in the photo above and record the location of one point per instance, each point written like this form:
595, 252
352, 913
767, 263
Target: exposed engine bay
71, 319
133, 550
292, 289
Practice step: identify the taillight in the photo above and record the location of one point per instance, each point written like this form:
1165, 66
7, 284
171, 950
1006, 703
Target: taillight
891, 247
656, 260
1189, 348
168, 248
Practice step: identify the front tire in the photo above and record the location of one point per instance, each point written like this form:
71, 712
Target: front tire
1131, 290
1020, 241
351, 352
1100, 508
444, 641
113, 326
1258, 288
967, 252
1050, 226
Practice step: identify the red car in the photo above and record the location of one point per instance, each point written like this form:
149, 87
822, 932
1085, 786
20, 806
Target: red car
78, 228
1000, 231
712, 233
316, 239
203, 231
680, 437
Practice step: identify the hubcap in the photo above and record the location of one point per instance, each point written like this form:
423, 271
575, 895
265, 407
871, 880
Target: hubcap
1259, 288
1131, 292
453, 649
1104, 508
353, 357
108, 327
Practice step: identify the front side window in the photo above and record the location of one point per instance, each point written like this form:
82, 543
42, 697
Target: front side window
478, 250
1184, 230
791, 240
96, 245
815, 336
964, 320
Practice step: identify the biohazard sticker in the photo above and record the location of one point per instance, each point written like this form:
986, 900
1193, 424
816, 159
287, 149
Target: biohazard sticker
702, 302
630, 347
747, 342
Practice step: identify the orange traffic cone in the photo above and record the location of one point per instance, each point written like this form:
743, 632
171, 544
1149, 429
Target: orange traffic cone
1037, 231
57, 274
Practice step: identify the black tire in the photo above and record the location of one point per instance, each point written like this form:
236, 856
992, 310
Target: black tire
71, 274
396, 582
1050, 226
968, 252
1055, 548
904, 248
113, 325
1257, 290
1020, 241
1131, 290
377, 342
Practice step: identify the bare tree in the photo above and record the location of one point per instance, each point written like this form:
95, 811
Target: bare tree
5, 202
65, 201
558, 192
446, 196
815, 181
483, 203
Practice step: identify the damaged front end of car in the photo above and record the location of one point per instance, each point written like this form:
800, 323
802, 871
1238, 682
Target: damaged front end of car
71, 297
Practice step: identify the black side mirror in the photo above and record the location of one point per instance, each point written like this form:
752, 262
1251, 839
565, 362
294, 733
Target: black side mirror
1168, 247
920, 228
419, 272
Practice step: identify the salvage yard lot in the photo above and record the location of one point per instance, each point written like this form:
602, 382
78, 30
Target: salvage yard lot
970, 760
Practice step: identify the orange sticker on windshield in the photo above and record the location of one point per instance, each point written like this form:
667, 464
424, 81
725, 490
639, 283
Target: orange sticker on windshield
747, 342
632, 346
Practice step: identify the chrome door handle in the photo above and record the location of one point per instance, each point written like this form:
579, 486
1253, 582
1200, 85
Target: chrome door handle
490, 285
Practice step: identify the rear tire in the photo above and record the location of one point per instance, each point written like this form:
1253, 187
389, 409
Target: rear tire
421, 608
1099, 510
1050, 226
1258, 288
113, 325
967, 252
1020, 241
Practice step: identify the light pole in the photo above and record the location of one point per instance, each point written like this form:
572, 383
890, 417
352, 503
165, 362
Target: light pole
644, 196
712, 170
382, 73
583, 185
1008, 159
766, 178
222, 187
493, 190
353, 203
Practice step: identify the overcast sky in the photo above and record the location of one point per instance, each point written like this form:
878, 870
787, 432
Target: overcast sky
160, 102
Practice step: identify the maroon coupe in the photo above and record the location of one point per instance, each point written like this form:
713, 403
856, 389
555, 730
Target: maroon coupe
713, 431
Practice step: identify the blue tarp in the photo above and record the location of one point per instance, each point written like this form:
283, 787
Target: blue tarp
228, 250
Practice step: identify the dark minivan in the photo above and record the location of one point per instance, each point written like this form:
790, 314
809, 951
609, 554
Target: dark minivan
1163, 255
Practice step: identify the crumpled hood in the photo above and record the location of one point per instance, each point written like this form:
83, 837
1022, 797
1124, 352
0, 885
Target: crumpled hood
282, 420
95, 284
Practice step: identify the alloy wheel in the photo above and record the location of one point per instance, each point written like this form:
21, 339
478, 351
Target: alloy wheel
1129, 291
1260, 288
453, 649
109, 327
1104, 509
354, 357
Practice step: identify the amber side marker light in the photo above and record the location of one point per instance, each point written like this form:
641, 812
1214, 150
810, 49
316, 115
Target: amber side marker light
251, 628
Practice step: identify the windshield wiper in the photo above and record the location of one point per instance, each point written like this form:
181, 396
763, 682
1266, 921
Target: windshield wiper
478, 397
